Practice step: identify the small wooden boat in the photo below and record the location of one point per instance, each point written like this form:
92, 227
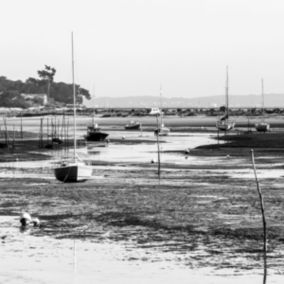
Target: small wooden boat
133, 125
162, 130
262, 127
155, 111
225, 125
94, 133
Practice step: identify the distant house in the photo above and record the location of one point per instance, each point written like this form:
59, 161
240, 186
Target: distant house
37, 99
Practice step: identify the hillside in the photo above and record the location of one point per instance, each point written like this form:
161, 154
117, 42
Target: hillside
60, 92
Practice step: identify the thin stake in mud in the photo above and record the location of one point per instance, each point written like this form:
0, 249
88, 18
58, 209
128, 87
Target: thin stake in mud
6, 131
41, 133
22, 134
14, 137
218, 135
158, 147
263, 218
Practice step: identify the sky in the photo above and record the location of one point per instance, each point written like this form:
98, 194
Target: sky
131, 47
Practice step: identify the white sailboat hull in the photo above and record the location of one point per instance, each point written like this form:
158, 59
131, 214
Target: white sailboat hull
73, 172
225, 125
163, 131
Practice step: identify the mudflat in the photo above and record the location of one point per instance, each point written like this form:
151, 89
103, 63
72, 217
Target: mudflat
204, 208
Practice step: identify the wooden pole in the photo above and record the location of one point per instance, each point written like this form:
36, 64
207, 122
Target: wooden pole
40, 133
14, 137
22, 134
158, 147
47, 129
6, 132
263, 218
218, 134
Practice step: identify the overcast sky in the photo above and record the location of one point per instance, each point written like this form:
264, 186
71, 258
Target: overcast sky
130, 47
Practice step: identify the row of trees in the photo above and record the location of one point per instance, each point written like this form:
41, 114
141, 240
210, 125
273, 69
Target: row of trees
57, 92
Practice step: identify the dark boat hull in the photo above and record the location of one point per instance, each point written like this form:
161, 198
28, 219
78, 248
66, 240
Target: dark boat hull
66, 174
96, 136
72, 173
262, 127
133, 127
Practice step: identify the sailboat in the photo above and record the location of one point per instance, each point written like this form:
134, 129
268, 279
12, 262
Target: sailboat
74, 170
133, 125
161, 130
223, 124
94, 133
262, 126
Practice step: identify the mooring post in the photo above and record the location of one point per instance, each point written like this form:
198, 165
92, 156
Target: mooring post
263, 218
22, 134
158, 147
218, 134
14, 137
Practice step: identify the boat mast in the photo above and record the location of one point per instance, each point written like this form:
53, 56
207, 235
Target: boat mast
227, 93
161, 107
262, 96
74, 97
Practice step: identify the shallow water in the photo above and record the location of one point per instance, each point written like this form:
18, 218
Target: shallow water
117, 152
145, 152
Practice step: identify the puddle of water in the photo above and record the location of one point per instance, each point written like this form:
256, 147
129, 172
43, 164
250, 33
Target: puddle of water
261, 174
144, 152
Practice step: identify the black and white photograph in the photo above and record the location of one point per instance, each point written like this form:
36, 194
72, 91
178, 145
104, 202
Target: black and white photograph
142, 142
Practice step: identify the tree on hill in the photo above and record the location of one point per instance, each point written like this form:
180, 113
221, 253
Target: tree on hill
47, 74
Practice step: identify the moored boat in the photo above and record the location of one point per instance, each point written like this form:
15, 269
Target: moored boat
224, 124
94, 133
133, 125
74, 170
262, 126
162, 130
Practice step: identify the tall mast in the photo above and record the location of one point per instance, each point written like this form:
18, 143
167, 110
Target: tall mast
74, 97
262, 97
227, 92
161, 105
